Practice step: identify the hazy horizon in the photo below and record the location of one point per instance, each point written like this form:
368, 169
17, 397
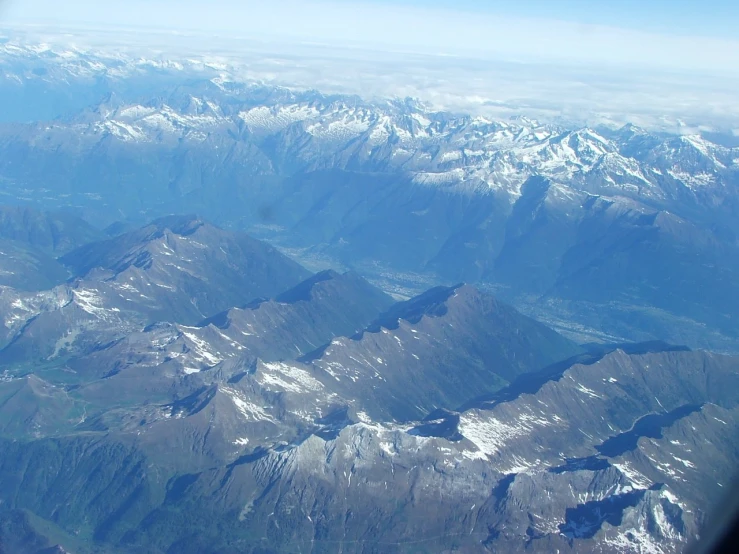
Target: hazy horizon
541, 59
531, 32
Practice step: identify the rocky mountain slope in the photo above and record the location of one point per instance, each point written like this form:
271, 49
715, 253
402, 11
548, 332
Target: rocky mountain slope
412, 342
52, 232
177, 269
312, 313
619, 450
173, 270
26, 268
621, 453
30, 242
175, 386
450, 421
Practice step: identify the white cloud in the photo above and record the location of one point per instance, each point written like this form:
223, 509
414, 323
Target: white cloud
570, 89
417, 29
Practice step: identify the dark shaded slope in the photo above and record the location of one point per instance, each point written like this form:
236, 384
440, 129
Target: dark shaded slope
437, 351
531, 383
27, 268
51, 232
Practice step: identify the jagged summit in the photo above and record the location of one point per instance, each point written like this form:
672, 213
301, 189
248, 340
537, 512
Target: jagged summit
183, 269
107, 253
431, 303
459, 341
179, 224
303, 291
268, 329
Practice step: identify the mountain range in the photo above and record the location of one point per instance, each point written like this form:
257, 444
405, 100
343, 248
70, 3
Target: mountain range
602, 232
332, 417
387, 329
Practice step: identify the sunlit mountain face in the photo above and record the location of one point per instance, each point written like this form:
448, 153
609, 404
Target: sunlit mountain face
240, 315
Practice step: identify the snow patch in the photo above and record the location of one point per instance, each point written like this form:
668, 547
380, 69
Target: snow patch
288, 378
490, 435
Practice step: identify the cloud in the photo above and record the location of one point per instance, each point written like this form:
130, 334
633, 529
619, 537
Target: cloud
565, 90
407, 28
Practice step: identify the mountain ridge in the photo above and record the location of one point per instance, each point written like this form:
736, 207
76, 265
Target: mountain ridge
395, 188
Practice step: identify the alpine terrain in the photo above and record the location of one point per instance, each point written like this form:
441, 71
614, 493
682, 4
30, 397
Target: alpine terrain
241, 317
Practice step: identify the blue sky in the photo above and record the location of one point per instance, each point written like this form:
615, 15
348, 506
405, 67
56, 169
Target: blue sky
684, 17
690, 36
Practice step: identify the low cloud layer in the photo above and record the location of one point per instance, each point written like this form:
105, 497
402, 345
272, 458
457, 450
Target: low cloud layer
563, 92
388, 26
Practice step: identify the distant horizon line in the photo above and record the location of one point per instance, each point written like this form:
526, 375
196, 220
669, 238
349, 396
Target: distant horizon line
359, 46
611, 98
